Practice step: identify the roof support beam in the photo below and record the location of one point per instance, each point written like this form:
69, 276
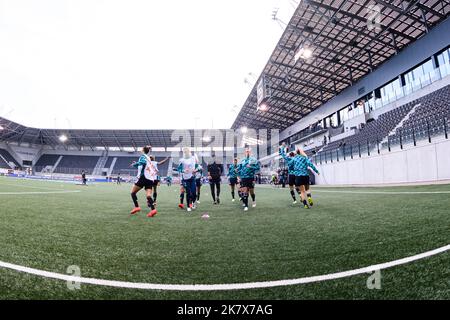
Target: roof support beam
291, 79
360, 19
398, 10
424, 20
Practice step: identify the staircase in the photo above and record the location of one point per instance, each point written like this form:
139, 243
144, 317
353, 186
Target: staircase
14, 155
56, 164
100, 164
170, 168
400, 124
113, 163
4, 160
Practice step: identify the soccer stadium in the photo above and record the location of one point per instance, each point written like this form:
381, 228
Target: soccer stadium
331, 181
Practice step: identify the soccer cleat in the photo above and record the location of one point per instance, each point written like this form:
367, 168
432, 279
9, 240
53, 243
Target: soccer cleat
181, 206
189, 209
135, 210
295, 202
198, 201
246, 209
218, 201
232, 200
311, 202
254, 205
306, 206
152, 213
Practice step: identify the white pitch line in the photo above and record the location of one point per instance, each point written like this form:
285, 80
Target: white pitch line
37, 192
222, 287
317, 190
26, 186
382, 192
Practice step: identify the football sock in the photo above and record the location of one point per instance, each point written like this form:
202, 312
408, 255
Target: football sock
232, 194
135, 199
245, 199
150, 203
181, 198
155, 195
293, 195
253, 197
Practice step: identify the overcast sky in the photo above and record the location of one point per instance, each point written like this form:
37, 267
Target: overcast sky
132, 64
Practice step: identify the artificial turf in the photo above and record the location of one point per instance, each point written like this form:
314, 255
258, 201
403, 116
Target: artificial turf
276, 240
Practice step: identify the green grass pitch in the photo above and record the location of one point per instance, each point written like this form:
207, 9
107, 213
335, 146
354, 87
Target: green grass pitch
275, 241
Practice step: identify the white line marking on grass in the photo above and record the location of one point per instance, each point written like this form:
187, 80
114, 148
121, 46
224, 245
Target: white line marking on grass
223, 287
382, 192
317, 190
26, 186
37, 192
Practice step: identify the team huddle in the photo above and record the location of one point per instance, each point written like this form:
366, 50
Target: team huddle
241, 176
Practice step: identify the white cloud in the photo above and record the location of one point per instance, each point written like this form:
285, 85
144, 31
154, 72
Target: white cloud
132, 64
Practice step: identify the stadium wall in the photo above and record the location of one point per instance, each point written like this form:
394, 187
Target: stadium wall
421, 164
437, 39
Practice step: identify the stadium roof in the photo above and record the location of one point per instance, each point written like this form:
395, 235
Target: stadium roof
344, 51
13, 132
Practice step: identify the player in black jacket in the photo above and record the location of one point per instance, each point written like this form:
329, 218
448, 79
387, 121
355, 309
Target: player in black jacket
214, 175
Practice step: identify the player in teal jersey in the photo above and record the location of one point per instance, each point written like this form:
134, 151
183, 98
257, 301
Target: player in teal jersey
247, 169
233, 177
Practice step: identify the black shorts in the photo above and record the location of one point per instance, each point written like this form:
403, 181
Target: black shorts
145, 183
291, 180
302, 181
248, 183
198, 182
233, 181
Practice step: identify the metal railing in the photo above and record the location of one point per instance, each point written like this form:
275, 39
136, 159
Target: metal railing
430, 129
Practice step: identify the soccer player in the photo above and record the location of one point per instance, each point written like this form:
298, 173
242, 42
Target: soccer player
119, 180
301, 171
83, 178
187, 170
198, 180
158, 178
233, 177
291, 173
182, 194
214, 177
247, 169
147, 173
169, 181
308, 187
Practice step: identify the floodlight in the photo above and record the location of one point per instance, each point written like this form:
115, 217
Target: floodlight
303, 53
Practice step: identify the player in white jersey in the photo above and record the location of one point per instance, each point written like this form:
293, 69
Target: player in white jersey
147, 175
158, 178
187, 169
